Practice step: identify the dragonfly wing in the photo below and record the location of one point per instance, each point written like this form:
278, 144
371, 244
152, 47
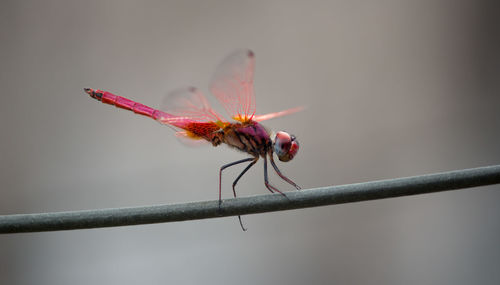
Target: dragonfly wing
189, 112
260, 118
232, 85
188, 105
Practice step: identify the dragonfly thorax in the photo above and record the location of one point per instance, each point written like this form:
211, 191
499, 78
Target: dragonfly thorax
249, 137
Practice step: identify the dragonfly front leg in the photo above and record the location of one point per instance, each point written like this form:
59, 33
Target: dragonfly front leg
266, 180
280, 174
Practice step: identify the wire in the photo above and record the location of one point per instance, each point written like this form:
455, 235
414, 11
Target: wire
330, 195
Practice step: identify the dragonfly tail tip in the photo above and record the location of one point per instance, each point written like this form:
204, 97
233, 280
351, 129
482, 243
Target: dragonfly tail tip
89, 91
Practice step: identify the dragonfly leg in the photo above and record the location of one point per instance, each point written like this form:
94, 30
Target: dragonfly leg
266, 180
243, 172
236, 181
280, 174
226, 166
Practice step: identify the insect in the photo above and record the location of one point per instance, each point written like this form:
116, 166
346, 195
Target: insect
189, 112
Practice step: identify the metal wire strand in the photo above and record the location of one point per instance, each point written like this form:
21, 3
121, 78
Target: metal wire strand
330, 195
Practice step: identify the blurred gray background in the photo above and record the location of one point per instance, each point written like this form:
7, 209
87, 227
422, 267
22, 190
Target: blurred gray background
392, 89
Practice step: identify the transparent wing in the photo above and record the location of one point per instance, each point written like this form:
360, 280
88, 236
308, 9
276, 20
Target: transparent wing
232, 85
190, 115
189, 104
260, 118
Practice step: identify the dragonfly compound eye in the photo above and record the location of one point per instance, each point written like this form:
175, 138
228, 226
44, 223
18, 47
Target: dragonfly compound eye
286, 146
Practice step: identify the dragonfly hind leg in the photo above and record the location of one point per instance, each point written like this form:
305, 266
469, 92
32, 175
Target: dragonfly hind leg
226, 166
242, 173
236, 181
254, 160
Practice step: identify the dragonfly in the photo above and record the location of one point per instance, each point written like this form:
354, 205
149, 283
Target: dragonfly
188, 111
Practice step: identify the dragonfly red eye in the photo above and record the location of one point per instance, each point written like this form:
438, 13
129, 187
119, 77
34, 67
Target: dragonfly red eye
286, 146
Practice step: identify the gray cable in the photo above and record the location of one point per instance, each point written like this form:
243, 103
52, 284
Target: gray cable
330, 195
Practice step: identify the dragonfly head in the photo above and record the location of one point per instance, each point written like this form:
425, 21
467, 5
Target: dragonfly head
286, 146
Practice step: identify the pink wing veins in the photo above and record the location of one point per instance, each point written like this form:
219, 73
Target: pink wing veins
188, 105
232, 85
260, 118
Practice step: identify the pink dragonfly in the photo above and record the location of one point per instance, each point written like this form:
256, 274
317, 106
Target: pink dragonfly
189, 112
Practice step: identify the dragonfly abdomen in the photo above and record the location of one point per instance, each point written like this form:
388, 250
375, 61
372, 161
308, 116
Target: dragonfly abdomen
209, 131
195, 130
124, 103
